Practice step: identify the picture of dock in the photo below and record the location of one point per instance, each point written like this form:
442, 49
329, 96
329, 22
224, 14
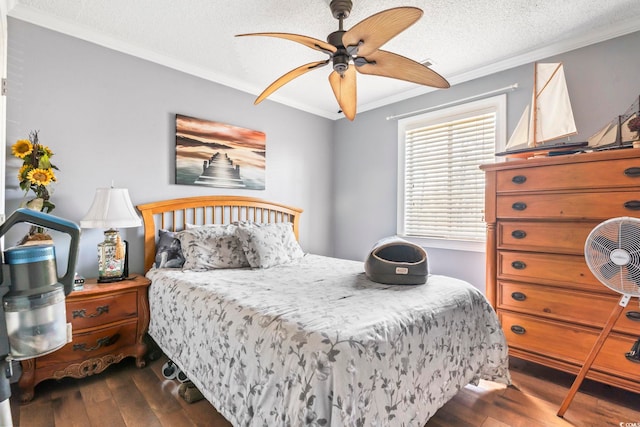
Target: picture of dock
219, 155
219, 171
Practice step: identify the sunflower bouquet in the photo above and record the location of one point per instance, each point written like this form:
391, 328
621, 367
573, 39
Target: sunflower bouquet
36, 173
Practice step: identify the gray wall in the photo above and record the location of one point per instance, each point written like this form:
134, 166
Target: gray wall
602, 80
110, 117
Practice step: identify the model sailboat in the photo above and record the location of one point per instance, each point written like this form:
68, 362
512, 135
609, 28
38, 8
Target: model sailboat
548, 118
616, 133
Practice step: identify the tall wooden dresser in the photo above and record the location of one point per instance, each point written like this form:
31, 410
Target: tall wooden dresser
539, 213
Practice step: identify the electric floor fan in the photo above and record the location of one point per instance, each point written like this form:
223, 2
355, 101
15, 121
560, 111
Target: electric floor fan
612, 253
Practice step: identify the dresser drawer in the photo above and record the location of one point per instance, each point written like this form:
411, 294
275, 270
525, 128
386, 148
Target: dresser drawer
570, 271
539, 213
571, 343
93, 344
556, 237
91, 312
577, 206
589, 175
571, 306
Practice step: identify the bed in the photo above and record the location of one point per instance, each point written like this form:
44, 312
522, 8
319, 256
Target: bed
310, 340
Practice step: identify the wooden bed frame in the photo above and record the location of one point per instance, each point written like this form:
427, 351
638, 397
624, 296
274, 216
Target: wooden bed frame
173, 313
174, 214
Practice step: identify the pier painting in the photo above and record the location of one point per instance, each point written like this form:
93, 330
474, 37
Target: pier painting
215, 154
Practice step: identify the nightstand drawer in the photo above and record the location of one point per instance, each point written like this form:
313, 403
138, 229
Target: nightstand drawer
589, 175
556, 237
93, 344
576, 206
109, 323
92, 312
563, 304
571, 343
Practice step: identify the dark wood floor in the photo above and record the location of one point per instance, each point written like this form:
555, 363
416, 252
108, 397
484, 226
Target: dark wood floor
126, 396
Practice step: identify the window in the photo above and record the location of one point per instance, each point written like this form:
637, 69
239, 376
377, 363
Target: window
441, 187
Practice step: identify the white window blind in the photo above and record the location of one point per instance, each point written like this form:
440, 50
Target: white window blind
442, 184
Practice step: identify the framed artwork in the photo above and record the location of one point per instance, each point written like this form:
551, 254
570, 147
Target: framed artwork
216, 154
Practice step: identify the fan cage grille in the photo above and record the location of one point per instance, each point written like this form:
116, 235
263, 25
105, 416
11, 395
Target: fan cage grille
620, 236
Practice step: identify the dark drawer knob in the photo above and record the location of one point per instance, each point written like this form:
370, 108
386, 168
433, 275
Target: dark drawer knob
517, 329
101, 342
519, 179
633, 205
518, 234
633, 315
83, 313
632, 172
518, 265
633, 357
634, 354
518, 296
520, 206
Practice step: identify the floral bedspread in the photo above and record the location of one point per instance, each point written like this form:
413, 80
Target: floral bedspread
314, 342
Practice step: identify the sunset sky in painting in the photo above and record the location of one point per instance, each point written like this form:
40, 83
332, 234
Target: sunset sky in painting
197, 140
214, 132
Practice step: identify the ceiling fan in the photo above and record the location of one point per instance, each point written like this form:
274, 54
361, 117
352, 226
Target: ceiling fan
358, 49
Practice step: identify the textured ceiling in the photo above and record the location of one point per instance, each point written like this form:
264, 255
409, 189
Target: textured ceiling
463, 39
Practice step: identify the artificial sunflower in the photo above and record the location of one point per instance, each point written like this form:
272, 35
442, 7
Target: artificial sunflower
39, 177
22, 173
22, 148
36, 173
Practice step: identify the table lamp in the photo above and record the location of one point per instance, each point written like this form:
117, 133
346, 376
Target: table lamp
112, 209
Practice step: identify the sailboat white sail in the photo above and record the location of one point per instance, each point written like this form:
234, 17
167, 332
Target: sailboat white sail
616, 133
549, 116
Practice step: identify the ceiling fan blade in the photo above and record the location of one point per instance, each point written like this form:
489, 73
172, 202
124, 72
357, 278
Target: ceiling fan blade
307, 41
344, 88
387, 64
378, 29
286, 78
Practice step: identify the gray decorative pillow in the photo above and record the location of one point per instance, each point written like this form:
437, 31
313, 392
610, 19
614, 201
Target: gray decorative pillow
210, 247
168, 250
267, 245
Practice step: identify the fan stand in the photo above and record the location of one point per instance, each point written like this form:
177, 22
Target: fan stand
615, 314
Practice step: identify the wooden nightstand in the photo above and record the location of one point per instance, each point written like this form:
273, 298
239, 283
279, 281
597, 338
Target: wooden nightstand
109, 322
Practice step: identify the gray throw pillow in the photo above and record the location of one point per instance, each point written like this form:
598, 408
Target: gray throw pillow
168, 251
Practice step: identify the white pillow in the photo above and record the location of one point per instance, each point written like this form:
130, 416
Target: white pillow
211, 247
267, 245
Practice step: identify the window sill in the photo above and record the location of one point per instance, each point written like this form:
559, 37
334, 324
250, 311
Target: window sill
456, 245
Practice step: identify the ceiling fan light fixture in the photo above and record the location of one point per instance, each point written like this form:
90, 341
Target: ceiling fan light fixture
340, 63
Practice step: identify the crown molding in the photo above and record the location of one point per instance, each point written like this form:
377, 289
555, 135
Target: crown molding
87, 34
18, 11
523, 58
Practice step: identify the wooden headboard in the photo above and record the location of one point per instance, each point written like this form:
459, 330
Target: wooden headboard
173, 214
